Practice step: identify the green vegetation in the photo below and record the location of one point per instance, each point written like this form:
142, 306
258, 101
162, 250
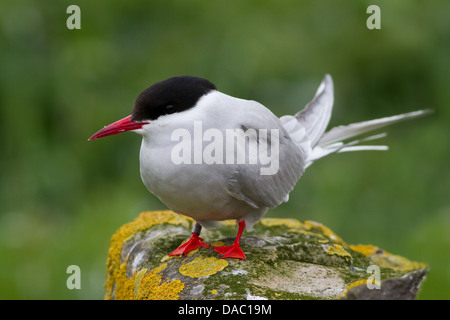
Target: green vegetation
62, 197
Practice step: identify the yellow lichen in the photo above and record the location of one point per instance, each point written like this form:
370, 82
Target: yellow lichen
192, 252
147, 286
116, 272
294, 226
273, 222
151, 286
165, 258
327, 232
137, 280
385, 259
202, 267
337, 249
124, 286
396, 262
353, 285
366, 250
228, 222
217, 244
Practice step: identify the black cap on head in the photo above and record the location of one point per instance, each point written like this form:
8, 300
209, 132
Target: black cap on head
169, 96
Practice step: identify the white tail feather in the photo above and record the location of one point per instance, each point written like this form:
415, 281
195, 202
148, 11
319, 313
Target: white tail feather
308, 126
344, 132
320, 152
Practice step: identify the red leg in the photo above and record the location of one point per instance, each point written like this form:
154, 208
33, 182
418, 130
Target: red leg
193, 243
233, 251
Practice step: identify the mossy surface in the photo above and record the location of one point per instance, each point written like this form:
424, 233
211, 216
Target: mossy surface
286, 259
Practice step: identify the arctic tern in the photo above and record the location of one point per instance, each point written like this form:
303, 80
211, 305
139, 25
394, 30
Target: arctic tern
233, 186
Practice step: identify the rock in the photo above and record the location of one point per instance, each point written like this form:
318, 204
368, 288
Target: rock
286, 259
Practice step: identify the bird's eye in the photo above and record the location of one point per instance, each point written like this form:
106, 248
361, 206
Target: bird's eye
169, 108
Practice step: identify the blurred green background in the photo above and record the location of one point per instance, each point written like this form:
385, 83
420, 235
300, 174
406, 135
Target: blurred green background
62, 197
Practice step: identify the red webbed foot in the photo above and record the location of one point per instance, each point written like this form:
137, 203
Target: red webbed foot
233, 251
193, 243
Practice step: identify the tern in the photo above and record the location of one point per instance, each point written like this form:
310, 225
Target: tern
214, 157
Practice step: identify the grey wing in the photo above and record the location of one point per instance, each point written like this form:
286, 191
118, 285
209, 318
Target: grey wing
268, 188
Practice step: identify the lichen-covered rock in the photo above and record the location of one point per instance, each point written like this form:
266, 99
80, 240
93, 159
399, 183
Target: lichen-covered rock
286, 259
